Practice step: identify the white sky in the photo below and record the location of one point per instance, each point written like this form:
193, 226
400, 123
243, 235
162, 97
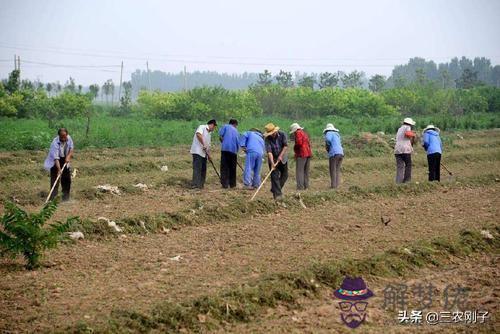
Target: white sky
237, 36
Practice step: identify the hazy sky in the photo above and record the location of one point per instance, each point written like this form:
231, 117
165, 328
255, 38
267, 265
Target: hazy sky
238, 36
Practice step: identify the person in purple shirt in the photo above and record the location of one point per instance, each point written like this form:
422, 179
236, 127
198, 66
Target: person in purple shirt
229, 149
60, 153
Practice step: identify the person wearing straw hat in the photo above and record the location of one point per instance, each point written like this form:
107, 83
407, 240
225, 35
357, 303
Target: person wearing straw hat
405, 138
431, 142
200, 149
333, 145
252, 143
229, 149
60, 153
302, 149
276, 148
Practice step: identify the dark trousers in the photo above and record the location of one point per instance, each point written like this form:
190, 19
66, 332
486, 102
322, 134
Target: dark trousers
403, 168
302, 172
434, 161
228, 169
65, 181
278, 178
334, 163
199, 171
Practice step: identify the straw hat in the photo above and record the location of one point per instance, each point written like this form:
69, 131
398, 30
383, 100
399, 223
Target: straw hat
294, 127
429, 127
409, 121
330, 127
270, 129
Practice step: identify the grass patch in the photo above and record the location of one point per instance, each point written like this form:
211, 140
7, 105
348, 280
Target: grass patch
245, 302
239, 207
111, 132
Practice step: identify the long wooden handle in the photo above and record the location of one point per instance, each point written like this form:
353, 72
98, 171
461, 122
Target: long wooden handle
55, 183
446, 169
263, 181
212, 163
240, 166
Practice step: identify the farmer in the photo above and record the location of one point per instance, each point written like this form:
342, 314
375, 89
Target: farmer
302, 149
333, 145
60, 153
432, 144
228, 135
200, 149
405, 138
276, 148
253, 145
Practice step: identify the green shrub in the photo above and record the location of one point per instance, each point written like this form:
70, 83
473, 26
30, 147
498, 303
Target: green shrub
24, 233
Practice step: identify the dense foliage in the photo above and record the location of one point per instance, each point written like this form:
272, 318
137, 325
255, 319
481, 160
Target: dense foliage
266, 99
24, 233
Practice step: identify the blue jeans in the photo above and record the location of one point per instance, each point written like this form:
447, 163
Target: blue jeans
253, 164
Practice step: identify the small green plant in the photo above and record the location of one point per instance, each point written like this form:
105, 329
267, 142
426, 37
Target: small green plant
24, 233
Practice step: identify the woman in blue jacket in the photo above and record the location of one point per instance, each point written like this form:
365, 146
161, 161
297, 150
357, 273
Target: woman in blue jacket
434, 148
333, 145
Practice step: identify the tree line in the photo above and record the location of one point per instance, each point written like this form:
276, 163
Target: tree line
457, 73
281, 94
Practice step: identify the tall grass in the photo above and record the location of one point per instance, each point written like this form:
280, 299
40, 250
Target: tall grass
108, 131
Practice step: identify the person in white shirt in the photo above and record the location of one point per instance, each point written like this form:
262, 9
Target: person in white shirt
200, 149
405, 138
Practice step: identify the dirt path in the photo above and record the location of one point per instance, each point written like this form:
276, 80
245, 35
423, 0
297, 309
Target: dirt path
86, 281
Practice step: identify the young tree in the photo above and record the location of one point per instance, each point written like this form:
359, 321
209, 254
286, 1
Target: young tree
307, 81
284, 79
108, 89
495, 76
94, 90
112, 91
377, 83
126, 99
24, 233
399, 81
328, 79
420, 77
38, 85
27, 85
352, 80
70, 85
445, 76
468, 79
13, 83
49, 87
265, 78
58, 87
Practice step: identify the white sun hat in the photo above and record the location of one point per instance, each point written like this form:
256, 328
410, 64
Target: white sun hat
408, 120
330, 127
430, 126
294, 127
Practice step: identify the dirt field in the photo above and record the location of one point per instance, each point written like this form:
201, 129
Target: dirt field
224, 242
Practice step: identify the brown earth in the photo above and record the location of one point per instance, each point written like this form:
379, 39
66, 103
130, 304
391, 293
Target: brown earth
87, 280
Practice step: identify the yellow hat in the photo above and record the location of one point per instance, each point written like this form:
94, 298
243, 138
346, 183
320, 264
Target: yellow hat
270, 129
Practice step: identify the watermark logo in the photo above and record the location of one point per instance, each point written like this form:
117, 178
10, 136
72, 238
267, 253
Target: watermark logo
353, 294
399, 297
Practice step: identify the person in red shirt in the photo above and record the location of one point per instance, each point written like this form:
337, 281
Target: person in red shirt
302, 149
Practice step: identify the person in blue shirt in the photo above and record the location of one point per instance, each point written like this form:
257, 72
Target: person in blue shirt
252, 143
333, 145
434, 148
229, 138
